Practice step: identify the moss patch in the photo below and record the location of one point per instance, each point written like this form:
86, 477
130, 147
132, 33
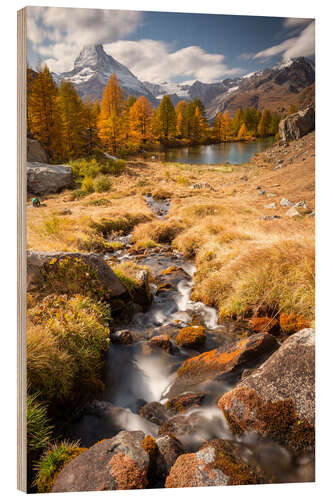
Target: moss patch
191, 336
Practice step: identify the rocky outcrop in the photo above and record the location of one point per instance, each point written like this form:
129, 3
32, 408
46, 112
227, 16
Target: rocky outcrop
119, 463
218, 463
223, 360
43, 178
298, 124
36, 152
278, 399
40, 265
169, 448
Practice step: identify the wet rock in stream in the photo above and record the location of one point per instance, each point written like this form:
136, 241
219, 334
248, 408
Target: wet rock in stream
217, 463
224, 361
277, 399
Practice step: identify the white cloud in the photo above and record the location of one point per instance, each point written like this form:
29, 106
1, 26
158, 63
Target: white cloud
58, 34
301, 45
154, 61
292, 22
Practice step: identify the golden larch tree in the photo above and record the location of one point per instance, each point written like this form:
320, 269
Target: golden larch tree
110, 123
140, 116
44, 121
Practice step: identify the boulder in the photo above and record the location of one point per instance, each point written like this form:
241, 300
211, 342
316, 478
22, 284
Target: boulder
196, 426
278, 399
225, 360
101, 419
142, 294
43, 178
155, 412
119, 463
39, 264
122, 337
298, 124
184, 402
169, 448
36, 152
217, 463
162, 341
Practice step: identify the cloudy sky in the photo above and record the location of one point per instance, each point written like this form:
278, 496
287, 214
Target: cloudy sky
176, 47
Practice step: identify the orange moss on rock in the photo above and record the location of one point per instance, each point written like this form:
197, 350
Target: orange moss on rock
183, 402
213, 361
246, 411
127, 473
263, 323
170, 269
291, 323
162, 341
149, 445
191, 336
216, 463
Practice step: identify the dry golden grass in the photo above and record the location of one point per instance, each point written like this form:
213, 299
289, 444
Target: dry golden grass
245, 265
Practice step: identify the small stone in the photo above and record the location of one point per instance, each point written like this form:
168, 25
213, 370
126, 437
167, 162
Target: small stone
271, 195
292, 212
262, 192
301, 204
285, 203
258, 187
271, 205
122, 337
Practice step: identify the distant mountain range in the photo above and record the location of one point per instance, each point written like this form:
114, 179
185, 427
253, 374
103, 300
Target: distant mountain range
273, 88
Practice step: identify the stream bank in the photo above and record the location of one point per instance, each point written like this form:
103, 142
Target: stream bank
144, 362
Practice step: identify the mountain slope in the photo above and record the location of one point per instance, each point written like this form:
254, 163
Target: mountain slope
275, 88
92, 70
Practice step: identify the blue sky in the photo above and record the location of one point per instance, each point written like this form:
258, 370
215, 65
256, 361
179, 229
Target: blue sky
168, 46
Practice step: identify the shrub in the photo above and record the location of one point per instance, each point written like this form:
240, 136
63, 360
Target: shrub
53, 461
100, 202
127, 273
87, 185
123, 224
77, 194
39, 430
102, 184
158, 231
96, 243
50, 226
191, 336
65, 340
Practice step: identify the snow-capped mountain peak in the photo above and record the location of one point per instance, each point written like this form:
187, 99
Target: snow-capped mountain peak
92, 70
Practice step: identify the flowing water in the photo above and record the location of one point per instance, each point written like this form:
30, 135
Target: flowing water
214, 154
138, 373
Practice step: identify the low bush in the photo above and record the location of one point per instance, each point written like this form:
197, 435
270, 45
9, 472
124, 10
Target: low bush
72, 276
66, 337
87, 185
77, 194
124, 224
50, 226
102, 184
100, 202
39, 430
53, 461
94, 242
127, 272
